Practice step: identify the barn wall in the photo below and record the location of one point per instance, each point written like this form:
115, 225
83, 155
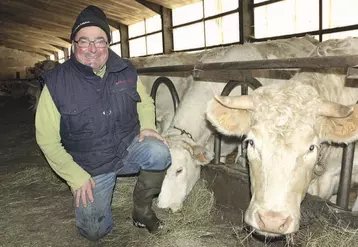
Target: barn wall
12, 61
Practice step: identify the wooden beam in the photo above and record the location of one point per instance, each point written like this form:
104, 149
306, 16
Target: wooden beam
113, 23
123, 31
34, 10
67, 40
8, 38
152, 6
27, 49
21, 23
246, 16
27, 33
167, 25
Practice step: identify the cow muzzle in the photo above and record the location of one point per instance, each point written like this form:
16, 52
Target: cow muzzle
274, 222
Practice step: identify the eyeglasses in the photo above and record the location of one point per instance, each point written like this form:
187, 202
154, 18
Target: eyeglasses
85, 43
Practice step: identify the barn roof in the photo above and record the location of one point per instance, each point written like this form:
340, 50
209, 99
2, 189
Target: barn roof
43, 26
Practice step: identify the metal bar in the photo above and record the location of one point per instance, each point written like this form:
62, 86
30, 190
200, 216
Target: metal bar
352, 72
235, 75
316, 32
352, 77
266, 3
287, 36
310, 62
217, 148
206, 18
244, 91
320, 20
346, 176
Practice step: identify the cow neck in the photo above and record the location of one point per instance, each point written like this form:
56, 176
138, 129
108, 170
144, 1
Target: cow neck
184, 132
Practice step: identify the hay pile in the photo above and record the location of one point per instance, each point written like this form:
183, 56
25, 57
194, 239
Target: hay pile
193, 226
43, 216
326, 235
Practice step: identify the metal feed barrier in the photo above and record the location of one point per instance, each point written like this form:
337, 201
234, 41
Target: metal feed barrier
243, 74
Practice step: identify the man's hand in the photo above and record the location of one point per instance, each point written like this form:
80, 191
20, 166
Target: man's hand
153, 133
84, 191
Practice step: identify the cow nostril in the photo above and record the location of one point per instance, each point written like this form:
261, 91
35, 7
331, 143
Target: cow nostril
282, 227
286, 224
259, 221
273, 222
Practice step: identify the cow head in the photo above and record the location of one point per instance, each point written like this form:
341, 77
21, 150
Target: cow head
183, 173
284, 129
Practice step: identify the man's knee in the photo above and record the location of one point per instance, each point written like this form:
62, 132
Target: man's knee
94, 230
158, 155
95, 221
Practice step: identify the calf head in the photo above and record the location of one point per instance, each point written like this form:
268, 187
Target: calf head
183, 173
284, 131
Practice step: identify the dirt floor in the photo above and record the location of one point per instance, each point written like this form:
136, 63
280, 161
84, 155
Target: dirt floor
36, 207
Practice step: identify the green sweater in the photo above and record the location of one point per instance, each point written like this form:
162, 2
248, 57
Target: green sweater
47, 123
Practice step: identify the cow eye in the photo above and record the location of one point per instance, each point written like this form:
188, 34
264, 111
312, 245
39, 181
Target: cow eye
251, 143
179, 171
312, 147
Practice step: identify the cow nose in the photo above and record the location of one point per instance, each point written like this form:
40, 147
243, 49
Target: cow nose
275, 222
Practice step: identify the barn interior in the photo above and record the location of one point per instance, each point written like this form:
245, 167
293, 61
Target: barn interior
37, 205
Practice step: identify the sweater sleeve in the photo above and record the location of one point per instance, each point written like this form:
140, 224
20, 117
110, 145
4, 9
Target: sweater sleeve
47, 124
145, 108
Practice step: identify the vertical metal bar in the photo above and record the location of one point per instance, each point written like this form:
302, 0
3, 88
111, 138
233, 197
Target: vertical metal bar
346, 176
204, 27
217, 148
244, 153
244, 91
246, 20
320, 20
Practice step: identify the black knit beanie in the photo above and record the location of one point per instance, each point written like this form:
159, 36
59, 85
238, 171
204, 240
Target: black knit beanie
91, 16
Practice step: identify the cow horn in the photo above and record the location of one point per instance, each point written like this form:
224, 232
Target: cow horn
331, 109
244, 102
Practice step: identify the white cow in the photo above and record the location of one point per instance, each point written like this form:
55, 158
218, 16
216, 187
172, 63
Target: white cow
163, 102
190, 117
285, 125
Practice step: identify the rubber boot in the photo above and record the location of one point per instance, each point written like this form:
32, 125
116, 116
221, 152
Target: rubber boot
147, 187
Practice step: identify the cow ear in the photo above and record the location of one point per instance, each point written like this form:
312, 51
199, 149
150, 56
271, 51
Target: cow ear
339, 129
202, 155
226, 120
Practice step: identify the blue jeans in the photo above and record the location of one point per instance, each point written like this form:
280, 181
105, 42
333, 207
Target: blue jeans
95, 221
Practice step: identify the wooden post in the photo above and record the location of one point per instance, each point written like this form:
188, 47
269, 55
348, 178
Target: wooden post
246, 16
56, 56
66, 53
167, 26
123, 31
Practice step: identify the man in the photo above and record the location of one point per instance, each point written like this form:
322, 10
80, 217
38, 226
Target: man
94, 121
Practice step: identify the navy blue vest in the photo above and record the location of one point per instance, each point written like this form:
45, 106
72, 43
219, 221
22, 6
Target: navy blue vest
99, 117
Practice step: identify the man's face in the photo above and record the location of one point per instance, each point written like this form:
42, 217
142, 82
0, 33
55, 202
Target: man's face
92, 56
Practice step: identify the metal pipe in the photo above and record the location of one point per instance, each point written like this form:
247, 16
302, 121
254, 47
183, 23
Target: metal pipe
217, 148
244, 91
173, 92
346, 176
306, 62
